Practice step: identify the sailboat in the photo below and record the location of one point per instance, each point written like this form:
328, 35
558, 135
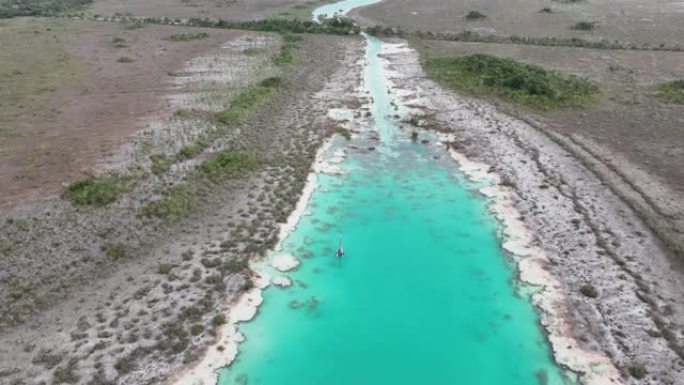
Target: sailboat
340, 250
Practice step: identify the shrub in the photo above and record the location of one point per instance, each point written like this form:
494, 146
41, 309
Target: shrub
271, 82
475, 15
125, 59
335, 26
92, 191
177, 203
524, 84
546, 10
115, 250
343, 132
191, 150
243, 103
160, 164
672, 92
228, 165
196, 329
188, 36
125, 365
165, 268
136, 24
254, 51
588, 290
584, 26
218, 320
638, 370
119, 42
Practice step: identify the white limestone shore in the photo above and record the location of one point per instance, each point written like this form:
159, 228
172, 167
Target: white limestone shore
592, 367
225, 349
595, 368
284, 262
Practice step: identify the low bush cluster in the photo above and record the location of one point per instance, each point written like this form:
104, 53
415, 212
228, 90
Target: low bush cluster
519, 83
672, 92
188, 36
93, 191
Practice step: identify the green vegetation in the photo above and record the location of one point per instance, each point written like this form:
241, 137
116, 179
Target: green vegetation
188, 36
343, 132
135, 24
243, 102
218, 320
93, 191
196, 329
515, 82
588, 290
125, 365
182, 113
288, 51
672, 92
14, 8
271, 82
474, 37
161, 163
254, 51
584, 26
191, 150
116, 250
125, 59
165, 268
334, 26
331, 26
638, 370
291, 38
119, 42
228, 165
475, 15
176, 203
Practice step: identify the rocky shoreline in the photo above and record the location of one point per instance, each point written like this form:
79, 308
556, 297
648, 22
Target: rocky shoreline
620, 284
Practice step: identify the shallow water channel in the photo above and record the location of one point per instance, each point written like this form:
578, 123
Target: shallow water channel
424, 294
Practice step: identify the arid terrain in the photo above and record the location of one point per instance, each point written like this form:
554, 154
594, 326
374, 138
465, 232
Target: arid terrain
634, 21
143, 164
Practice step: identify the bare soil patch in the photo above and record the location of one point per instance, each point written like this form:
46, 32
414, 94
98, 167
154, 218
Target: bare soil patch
76, 99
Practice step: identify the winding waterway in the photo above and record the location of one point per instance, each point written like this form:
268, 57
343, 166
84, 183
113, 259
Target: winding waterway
424, 295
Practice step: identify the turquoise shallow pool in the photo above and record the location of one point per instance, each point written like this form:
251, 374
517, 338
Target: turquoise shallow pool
340, 7
424, 294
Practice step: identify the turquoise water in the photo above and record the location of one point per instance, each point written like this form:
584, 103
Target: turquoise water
424, 294
341, 7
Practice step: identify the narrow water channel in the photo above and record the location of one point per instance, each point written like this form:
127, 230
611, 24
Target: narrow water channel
424, 294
